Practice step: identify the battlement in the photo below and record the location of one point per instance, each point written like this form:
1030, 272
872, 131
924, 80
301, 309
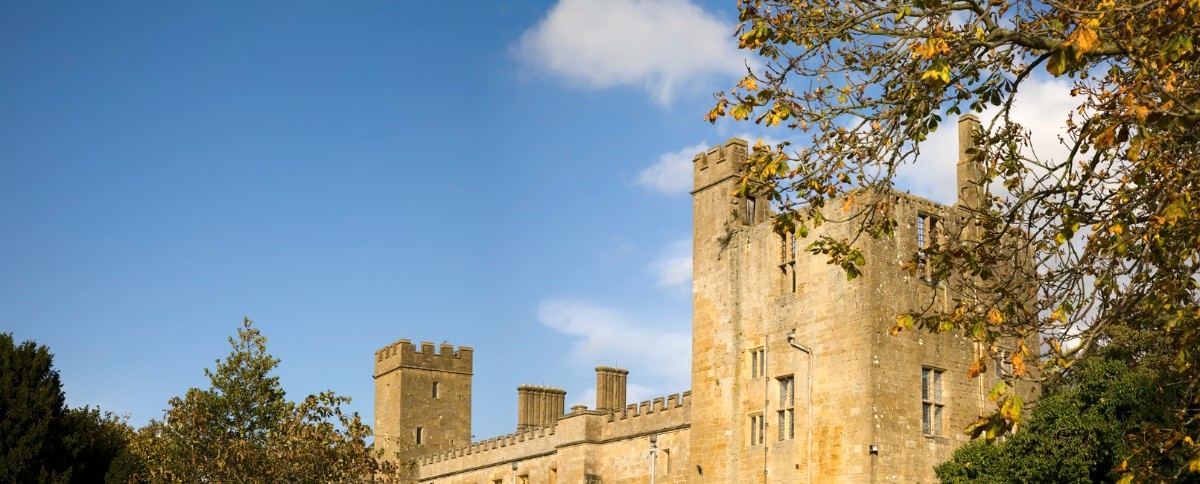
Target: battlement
652, 407
719, 162
403, 354
538, 439
651, 416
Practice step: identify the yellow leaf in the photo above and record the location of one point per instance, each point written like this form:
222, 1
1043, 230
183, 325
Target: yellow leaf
997, 391
749, 84
1018, 363
1011, 409
1083, 39
1106, 138
939, 71
994, 316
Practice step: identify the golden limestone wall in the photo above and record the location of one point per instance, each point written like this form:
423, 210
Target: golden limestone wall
784, 346
422, 399
795, 376
583, 446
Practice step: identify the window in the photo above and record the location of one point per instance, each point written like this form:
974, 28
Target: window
420, 435
1003, 364
748, 215
437, 390
523, 479
758, 427
787, 407
758, 362
927, 235
932, 404
553, 476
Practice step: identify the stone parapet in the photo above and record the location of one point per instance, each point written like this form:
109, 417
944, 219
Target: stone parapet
403, 354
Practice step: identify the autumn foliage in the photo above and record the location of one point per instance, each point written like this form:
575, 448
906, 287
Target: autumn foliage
1110, 230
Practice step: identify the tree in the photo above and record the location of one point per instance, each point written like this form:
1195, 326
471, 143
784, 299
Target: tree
243, 429
1111, 227
32, 406
95, 443
1088, 427
41, 440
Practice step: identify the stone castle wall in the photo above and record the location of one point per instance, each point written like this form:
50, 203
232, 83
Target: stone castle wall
422, 399
795, 374
583, 445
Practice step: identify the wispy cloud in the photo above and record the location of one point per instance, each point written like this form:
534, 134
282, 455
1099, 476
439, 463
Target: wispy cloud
658, 45
672, 173
1041, 107
674, 267
656, 353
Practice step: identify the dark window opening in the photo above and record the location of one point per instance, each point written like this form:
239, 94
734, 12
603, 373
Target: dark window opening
748, 215
932, 404
758, 362
787, 407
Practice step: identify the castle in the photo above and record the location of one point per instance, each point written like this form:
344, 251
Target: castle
795, 377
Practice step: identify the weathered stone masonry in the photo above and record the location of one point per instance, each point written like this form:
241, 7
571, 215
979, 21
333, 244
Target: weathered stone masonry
795, 377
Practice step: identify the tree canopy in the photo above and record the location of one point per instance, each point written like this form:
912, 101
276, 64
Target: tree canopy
244, 429
33, 404
1111, 227
1091, 424
41, 440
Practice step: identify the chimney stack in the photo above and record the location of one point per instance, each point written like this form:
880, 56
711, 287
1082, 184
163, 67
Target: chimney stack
970, 172
538, 406
610, 389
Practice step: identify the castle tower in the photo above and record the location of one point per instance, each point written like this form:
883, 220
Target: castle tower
422, 399
717, 219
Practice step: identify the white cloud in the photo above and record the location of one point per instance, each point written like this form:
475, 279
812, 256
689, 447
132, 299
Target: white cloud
658, 45
672, 173
674, 268
656, 353
1041, 107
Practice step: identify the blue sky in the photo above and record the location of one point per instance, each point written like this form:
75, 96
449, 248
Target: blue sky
511, 176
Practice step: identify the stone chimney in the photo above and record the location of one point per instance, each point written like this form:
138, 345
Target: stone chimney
539, 406
970, 172
610, 389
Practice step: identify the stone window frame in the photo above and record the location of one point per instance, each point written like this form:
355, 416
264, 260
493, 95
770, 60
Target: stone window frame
758, 428
928, 226
787, 406
420, 436
933, 400
749, 207
758, 362
1004, 367
437, 390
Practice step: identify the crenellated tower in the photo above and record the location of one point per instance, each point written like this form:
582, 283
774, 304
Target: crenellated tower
422, 399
